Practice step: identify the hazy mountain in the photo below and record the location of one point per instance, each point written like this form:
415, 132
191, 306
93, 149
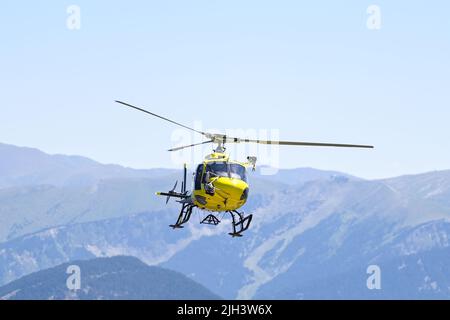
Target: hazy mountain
297, 248
312, 237
317, 240
432, 186
144, 235
25, 210
299, 175
21, 166
117, 278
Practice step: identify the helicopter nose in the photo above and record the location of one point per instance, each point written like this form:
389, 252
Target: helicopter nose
235, 188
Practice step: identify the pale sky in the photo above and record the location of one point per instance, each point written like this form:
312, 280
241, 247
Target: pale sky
313, 71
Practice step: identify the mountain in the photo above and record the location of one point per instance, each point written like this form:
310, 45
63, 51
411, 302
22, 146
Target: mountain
313, 235
25, 210
329, 236
117, 278
317, 241
433, 186
298, 176
21, 166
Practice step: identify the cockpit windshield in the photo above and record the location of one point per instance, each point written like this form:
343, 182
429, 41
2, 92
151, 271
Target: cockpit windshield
224, 169
218, 169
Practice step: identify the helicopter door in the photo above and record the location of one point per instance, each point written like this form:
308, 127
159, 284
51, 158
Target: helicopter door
198, 177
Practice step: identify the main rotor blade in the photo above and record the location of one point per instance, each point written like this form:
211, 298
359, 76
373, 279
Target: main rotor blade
191, 145
155, 115
299, 143
219, 138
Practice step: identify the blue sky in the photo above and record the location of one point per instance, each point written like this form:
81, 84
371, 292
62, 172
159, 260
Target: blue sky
312, 70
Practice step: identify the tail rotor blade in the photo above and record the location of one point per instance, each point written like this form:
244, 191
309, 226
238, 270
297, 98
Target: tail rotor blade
171, 191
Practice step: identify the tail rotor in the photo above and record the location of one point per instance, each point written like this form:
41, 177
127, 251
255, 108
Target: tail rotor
171, 192
184, 194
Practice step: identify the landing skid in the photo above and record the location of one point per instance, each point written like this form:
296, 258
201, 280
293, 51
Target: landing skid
185, 215
240, 223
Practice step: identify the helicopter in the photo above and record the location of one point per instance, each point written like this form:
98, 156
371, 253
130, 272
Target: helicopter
220, 184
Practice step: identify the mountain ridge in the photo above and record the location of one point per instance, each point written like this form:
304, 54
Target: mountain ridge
325, 227
129, 172
23, 166
119, 277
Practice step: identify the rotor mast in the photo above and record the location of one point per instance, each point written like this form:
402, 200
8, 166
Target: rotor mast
220, 147
218, 139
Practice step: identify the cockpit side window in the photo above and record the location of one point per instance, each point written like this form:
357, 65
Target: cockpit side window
237, 171
198, 177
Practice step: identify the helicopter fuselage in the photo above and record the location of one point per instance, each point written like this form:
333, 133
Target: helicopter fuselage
220, 184
229, 194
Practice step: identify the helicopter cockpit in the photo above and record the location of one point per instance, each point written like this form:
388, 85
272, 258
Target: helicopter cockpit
219, 169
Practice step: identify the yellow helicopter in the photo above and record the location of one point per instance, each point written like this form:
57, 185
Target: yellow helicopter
220, 184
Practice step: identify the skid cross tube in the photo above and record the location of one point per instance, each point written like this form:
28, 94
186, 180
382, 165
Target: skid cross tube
211, 219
